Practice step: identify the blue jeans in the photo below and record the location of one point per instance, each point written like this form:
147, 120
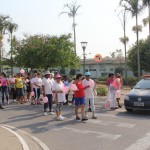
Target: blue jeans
4, 91
49, 104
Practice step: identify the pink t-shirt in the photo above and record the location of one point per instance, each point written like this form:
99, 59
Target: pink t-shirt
117, 83
4, 82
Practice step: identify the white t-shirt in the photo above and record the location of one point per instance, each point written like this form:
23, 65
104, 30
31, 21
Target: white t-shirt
47, 83
36, 81
58, 87
88, 91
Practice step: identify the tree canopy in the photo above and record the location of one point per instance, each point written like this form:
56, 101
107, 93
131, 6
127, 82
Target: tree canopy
144, 56
44, 51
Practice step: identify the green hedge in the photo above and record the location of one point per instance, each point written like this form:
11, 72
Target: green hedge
101, 91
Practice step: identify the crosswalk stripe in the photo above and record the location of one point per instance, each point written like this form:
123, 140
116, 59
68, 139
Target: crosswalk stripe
98, 134
141, 144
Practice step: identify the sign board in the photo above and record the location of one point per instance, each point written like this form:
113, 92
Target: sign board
98, 58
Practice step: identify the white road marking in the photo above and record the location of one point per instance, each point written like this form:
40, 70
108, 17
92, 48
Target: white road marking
42, 145
109, 123
22, 141
98, 134
141, 144
117, 124
124, 116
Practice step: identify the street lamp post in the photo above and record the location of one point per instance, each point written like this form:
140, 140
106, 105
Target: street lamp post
84, 44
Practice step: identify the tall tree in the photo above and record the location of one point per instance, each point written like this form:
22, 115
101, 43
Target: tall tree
72, 12
146, 3
12, 27
4, 22
124, 40
134, 7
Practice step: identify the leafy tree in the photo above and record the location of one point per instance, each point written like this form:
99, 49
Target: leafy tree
73, 8
44, 51
146, 3
144, 56
4, 22
12, 27
134, 7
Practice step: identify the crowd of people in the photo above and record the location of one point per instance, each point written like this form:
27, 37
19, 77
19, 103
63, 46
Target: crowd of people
23, 87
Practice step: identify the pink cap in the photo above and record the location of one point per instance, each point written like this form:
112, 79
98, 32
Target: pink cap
58, 76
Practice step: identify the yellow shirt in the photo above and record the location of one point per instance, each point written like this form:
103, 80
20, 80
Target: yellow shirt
19, 82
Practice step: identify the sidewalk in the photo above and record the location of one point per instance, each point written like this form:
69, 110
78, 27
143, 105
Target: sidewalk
8, 141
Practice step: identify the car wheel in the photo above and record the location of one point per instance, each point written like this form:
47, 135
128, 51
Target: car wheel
128, 109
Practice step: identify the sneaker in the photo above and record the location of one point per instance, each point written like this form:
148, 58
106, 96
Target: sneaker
84, 119
1, 107
15, 101
51, 113
60, 118
45, 113
94, 117
77, 118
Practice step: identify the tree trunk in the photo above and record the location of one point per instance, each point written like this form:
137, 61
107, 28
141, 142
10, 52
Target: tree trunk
138, 55
125, 46
74, 32
11, 58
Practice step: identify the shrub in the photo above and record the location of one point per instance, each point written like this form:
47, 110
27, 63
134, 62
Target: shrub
103, 78
131, 81
101, 91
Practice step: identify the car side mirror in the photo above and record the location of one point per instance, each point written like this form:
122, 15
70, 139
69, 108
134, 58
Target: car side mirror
132, 87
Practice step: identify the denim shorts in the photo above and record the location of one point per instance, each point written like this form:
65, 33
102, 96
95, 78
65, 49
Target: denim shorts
79, 101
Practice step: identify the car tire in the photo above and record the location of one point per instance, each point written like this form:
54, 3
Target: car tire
128, 109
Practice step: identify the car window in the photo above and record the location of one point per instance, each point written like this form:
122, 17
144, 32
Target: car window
143, 84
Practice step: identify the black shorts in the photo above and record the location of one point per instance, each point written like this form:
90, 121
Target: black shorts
19, 92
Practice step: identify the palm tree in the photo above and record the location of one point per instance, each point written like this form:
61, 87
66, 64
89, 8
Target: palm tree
12, 27
124, 40
4, 21
146, 3
73, 8
133, 6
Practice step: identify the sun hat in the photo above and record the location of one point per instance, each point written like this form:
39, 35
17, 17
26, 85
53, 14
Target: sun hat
52, 74
87, 74
58, 76
47, 72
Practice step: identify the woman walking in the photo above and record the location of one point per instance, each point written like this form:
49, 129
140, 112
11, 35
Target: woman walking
4, 86
80, 97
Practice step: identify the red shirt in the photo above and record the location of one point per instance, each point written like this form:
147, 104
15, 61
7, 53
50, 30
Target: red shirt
80, 92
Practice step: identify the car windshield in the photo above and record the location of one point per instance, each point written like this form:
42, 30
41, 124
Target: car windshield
143, 84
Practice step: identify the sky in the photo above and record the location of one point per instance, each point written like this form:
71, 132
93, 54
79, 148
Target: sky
97, 22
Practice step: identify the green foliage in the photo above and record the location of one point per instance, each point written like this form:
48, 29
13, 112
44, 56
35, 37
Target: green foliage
144, 56
119, 70
131, 81
101, 91
103, 78
72, 72
44, 51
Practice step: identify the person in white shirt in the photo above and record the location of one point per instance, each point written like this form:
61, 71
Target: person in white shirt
60, 96
47, 91
37, 85
89, 94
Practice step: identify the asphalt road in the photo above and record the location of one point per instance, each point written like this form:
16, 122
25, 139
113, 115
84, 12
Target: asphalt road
114, 130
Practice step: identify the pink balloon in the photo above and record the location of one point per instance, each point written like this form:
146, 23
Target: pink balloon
45, 99
27, 80
13, 80
107, 104
73, 87
22, 71
65, 89
32, 93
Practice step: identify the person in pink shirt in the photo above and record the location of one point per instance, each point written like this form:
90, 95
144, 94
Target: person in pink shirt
4, 86
116, 85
